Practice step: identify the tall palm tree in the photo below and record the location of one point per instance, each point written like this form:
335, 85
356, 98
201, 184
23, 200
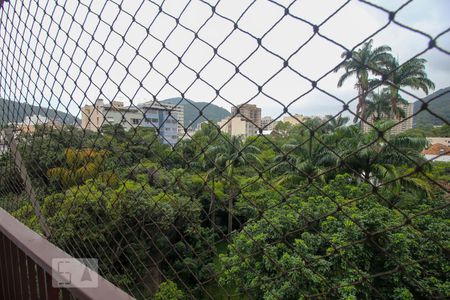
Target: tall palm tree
379, 106
229, 154
410, 74
363, 62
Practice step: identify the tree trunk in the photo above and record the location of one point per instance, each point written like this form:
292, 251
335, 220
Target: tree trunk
394, 109
212, 204
362, 101
230, 210
152, 278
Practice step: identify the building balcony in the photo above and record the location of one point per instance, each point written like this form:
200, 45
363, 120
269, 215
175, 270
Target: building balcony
28, 269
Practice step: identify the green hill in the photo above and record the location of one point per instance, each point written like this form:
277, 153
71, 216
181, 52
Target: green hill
192, 111
439, 104
14, 112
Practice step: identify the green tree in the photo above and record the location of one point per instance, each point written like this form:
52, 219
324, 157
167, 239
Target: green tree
302, 159
410, 74
312, 244
378, 158
335, 122
230, 153
379, 106
363, 62
168, 290
79, 166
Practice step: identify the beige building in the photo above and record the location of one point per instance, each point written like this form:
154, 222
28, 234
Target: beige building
249, 111
238, 126
95, 116
403, 124
294, 119
245, 121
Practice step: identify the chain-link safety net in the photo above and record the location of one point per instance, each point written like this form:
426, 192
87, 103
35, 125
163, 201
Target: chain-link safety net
205, 149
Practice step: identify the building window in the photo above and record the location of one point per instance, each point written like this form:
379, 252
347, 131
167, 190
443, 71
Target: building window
135, 121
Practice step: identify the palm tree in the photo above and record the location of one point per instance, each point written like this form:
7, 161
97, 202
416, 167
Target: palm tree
334, 123
228, 154
379, 106
306, 158
364, 61
410, 74
80, 165
374, 158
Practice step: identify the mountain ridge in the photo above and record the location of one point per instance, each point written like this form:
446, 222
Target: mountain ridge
15, 112
439, 103
192, 109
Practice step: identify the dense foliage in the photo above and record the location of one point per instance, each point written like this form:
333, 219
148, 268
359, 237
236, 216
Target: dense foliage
316, 209
307, 213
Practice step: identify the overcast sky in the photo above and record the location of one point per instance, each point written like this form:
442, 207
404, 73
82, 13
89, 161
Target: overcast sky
56, 59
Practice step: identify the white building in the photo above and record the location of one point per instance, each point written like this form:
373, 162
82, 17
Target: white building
267, 123
166, 119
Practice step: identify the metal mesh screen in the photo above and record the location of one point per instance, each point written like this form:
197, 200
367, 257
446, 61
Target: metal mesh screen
134, 132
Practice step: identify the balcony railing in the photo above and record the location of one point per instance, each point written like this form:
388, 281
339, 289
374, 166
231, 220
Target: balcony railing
26, 267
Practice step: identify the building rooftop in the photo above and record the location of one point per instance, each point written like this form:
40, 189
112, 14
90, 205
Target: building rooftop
437, 149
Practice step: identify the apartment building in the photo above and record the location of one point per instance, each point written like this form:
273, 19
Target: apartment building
267, 123
403, 124
238, 126
249, 111
166, 119
93, 117
245, 121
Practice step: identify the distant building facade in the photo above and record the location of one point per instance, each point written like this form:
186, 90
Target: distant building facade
93, 117
249, 111
402, 124
267, 123
238, 126
166, 119
30, 122
294, 119
245, 121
